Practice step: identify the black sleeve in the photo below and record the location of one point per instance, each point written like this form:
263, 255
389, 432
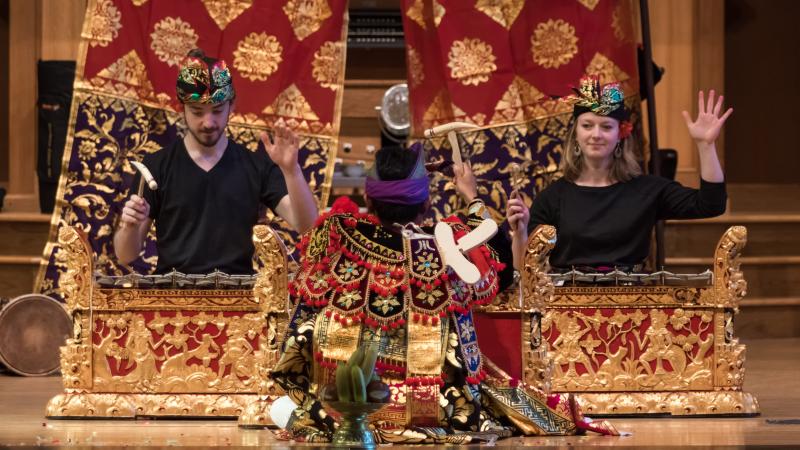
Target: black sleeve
679, 202
544, 210
500, 244
273, 185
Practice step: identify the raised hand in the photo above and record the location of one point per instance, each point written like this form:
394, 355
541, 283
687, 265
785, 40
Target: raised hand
282, 148
705, 129
464, 179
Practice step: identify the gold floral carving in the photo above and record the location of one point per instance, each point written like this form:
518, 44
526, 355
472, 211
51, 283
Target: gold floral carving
661, 358
119, 406
224, 12
139, 2
104, 24
327, 65
471, 61
590, 4
576, 296
306, 16
639, 349
673, 403
605, 69
271, 288
729, 283
537, 286
171, 40
76, 368
291, 103
729, 372
76, 255
171, 299
416, 74
257, 56
537, 368
173, 352
504, 12
553, 43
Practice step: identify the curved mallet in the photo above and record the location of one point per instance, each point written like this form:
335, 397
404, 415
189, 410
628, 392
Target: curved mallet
146, 176
450, 130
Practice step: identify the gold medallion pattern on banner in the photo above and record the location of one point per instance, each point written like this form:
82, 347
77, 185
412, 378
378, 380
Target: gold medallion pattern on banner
471, 61
327, 65
257, 56
553, 43
172, 39
105, 23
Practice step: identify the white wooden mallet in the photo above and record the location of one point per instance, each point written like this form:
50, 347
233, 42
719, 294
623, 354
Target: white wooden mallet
146, 176
451, 130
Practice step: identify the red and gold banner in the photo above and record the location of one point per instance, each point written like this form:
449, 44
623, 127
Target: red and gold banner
287, 59
499, 64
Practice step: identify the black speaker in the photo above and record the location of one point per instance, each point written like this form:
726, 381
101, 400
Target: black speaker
668, 163
55, 97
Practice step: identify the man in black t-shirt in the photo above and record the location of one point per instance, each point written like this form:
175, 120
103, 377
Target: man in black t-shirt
210, 188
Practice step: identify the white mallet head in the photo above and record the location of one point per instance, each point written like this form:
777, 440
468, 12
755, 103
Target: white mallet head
146, 175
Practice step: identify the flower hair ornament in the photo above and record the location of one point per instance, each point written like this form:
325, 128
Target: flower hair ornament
607, 100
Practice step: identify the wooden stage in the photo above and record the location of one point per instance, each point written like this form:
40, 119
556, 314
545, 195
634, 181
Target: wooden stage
773, 376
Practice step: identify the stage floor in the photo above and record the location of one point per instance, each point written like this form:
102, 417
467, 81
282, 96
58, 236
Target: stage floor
773, 376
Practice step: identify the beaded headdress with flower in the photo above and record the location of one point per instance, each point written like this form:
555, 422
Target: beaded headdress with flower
607, 100
204, 80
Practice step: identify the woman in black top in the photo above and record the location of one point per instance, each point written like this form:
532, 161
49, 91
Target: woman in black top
603, 207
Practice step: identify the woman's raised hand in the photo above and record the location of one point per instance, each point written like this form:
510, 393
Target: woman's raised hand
705, 129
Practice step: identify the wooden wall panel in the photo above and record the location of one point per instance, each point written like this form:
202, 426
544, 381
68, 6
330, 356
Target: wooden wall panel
688, 40
23, 52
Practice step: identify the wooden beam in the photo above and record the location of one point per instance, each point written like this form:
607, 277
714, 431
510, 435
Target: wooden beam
23, 36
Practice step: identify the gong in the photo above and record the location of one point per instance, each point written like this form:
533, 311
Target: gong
32, 328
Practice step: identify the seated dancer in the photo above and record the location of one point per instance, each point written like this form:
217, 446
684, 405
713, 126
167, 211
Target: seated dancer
603, 207
379, 279
210, 188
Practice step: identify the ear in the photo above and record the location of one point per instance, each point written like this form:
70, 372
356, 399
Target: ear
231, 106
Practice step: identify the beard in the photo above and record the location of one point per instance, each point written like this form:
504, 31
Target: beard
208, 137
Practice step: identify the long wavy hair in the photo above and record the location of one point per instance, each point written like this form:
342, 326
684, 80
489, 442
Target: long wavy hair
623, 168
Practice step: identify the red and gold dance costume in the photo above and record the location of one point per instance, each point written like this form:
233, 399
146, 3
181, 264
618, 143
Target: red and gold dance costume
362, 282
